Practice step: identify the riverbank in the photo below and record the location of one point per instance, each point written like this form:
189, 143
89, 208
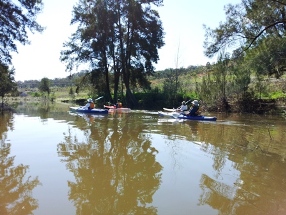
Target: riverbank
255, 106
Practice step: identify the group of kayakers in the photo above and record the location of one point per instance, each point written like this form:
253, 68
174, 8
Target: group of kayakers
194, 109
90, 104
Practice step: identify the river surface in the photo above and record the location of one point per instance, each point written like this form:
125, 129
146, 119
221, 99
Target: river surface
56, 162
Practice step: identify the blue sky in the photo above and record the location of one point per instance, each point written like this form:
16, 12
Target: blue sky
182, 22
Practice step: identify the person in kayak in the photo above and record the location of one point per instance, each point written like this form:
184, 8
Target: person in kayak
183, 107
89, 105
194, 110
118, 104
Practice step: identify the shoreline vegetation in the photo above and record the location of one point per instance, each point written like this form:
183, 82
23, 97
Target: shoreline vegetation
249, 75
216, 91
257, 106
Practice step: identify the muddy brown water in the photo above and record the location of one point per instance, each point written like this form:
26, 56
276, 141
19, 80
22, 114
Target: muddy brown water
56, 162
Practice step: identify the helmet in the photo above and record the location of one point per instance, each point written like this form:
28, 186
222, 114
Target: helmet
183, 102
89, 100
195, 102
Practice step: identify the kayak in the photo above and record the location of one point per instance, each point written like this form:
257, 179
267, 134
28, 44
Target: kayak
201, 118
91, 111
84, 115
169, 114
181, 116
170, 109
174, 110
113, 108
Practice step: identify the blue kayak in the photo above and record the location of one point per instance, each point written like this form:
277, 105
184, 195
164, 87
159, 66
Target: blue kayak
91, 111
201, 118
178, 115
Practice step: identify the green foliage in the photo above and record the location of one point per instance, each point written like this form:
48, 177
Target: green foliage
260, 86
71, 91
123, 37
35, 94
208, 89
44, 86
53, 96
241, 79
16, 18
7, 82
268, 57
57, 82
256, 26
151, 100
170, 84
247, 23
276, 95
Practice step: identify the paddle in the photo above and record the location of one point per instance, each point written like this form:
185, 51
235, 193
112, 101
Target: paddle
185, 103
98, 98
94, 100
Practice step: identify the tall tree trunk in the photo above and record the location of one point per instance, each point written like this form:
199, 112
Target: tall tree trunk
116, 82
107, 78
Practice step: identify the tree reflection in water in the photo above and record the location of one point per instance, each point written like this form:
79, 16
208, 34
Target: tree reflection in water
16, 191
259, 185
114, 167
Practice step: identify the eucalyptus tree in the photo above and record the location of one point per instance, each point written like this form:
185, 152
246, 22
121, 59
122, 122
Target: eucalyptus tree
16, 17
169, 85
248, 25
213, 89
118, 40
44, 86
7, 81
268, 58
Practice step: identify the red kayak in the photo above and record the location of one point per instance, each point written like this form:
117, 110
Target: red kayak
113, 108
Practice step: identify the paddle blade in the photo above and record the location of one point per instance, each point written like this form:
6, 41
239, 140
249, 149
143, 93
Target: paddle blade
98, 98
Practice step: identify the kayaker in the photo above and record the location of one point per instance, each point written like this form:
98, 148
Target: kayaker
118, 104
194, 108
92, 105
89, 105
183, 107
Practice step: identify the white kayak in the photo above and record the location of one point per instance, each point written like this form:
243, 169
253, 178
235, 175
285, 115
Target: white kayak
169, 114
175, 110
171, 109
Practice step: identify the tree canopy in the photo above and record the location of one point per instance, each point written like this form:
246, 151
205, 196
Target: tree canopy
256, 29
246, 24
44, 85
7, 82
119, 40
16, 17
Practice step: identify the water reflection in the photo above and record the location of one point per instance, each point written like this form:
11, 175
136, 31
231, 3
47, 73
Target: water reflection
259, 189
247, 177
233, 166
44, 110
247, 159
114, 166
15, 186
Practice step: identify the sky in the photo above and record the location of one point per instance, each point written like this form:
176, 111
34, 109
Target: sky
182, 22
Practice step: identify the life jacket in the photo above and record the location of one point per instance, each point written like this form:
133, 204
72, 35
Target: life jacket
119, 105
91, 105
194, 111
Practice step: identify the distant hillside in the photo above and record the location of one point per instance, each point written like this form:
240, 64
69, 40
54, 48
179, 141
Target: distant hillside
57, 82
